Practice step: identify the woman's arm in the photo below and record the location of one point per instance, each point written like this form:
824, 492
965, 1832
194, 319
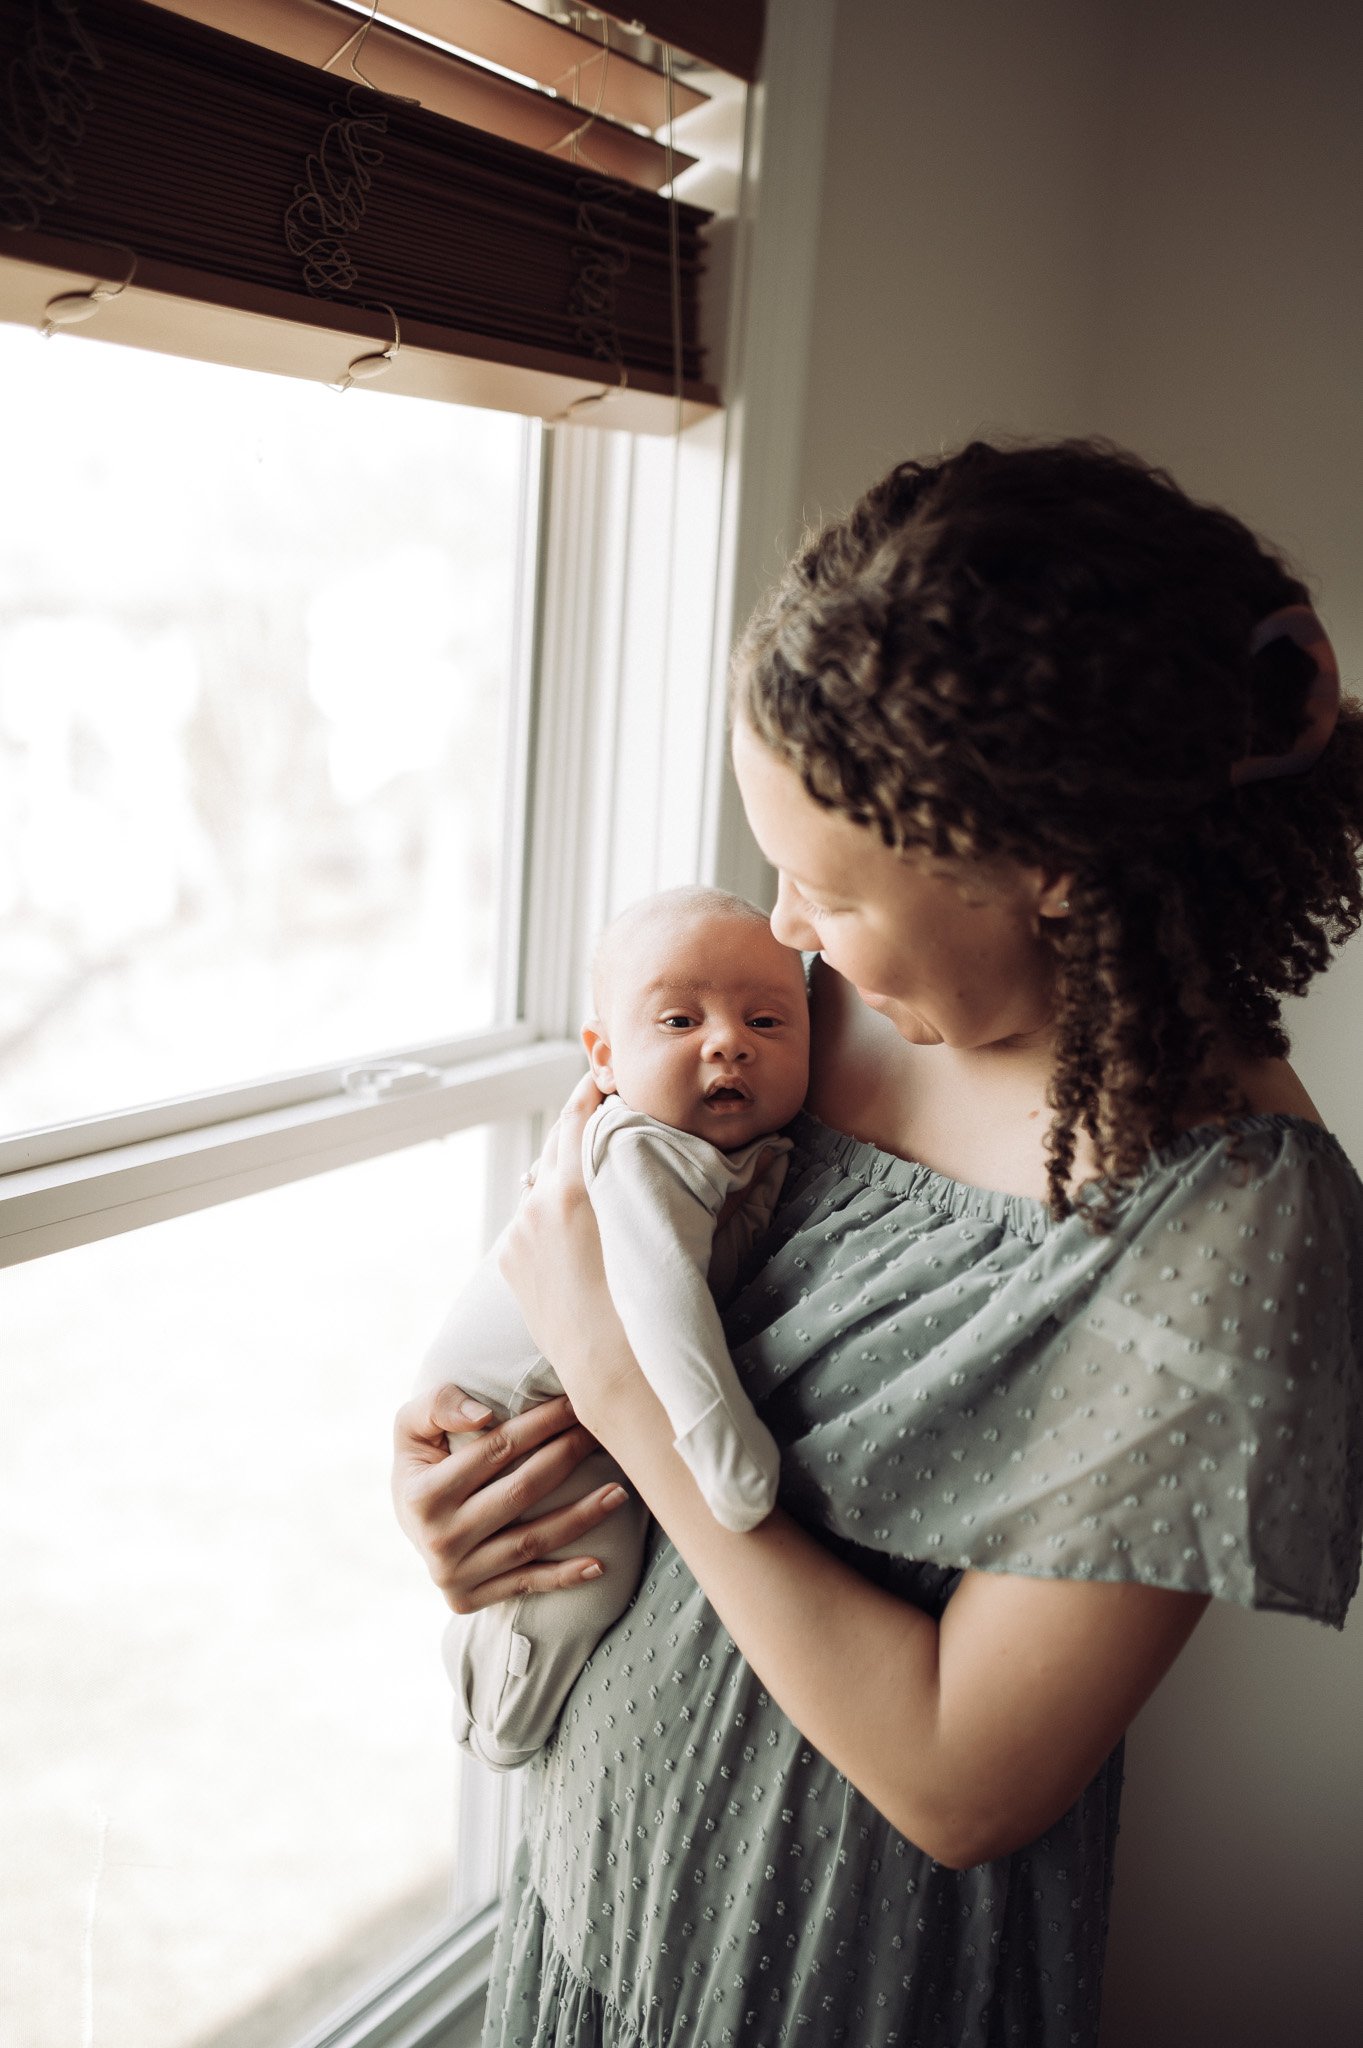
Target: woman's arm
971, 1736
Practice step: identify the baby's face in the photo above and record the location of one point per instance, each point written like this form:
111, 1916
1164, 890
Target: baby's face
706, 1028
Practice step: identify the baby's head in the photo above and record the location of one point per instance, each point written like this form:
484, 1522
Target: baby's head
701, 1018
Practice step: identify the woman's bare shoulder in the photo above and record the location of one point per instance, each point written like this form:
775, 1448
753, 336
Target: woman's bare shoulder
1270, 1088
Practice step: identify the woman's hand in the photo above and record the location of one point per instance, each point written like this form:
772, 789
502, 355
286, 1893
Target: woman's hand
460, 1505
551, 1259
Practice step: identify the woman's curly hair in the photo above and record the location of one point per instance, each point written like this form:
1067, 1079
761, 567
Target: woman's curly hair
1039, 652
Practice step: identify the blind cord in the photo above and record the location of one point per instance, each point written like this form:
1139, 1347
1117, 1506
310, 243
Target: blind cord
573, 140
593, 297
329, 201
354, 43
45, 96
673, 247
673, 493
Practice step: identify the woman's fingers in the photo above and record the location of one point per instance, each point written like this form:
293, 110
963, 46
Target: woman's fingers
500, 1495
495, 1531
441, 1453
547, 1162
572, 1121
565, 1133
513, 1558
467, 1514
422, 1457
487, 1451
585, 1099
460, 1411
423, 1423
467, 1484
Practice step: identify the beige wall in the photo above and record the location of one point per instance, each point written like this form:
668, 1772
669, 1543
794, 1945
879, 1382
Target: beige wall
959, 239
1143, 219
1229, 347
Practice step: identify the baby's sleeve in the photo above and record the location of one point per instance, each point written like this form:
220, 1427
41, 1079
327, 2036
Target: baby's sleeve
656, 1234
485, 1348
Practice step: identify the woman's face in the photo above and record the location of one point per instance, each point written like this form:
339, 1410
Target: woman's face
949, 952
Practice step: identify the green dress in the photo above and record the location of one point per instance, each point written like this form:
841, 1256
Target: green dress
955, 1382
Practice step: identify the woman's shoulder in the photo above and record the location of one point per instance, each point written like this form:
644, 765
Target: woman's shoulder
988, 1131
1271, 1088
1233, 1168
1274, 1158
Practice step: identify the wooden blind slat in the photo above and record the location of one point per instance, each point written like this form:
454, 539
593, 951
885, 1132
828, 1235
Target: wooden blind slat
312, 30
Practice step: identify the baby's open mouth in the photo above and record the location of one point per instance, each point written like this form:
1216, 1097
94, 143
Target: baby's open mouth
727, 1091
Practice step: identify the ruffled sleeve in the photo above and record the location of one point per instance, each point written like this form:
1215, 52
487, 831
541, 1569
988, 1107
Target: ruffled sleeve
1178, 1403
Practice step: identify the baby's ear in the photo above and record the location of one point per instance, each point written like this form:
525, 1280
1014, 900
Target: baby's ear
599, 1055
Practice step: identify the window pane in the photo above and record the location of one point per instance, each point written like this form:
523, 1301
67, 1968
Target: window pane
229, 1787
255, 650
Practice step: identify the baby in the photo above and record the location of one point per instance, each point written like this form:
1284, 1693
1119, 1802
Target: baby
700, 1044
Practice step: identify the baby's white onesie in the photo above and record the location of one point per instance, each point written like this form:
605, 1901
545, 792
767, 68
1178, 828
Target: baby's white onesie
658, 1195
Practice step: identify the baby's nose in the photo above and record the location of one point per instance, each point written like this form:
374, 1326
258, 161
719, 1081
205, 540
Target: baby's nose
724, 1040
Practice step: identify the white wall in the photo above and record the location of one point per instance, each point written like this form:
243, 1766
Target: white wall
1141, 218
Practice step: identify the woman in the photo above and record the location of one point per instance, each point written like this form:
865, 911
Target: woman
1056, 1324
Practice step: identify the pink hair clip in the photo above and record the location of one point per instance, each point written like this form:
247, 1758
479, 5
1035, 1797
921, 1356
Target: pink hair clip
1297, 622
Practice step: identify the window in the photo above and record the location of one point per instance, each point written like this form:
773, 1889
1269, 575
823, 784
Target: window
255, 650
316, 788
237, 1802
264, 783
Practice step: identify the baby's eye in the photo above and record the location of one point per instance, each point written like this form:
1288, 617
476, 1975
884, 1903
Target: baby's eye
764, 1022
676, 1020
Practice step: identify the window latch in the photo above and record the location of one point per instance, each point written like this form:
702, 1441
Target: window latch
390, 1077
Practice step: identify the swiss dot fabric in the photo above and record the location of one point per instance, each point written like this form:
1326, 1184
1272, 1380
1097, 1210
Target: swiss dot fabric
955, 1381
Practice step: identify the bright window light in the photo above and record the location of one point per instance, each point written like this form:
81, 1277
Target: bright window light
230, 1790
255, 653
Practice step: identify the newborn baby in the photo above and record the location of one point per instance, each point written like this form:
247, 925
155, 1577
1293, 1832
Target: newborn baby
700, 1043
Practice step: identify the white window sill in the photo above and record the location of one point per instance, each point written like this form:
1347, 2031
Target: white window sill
56, 1203
436, 2003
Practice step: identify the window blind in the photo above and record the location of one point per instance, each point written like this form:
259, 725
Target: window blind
517, 251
